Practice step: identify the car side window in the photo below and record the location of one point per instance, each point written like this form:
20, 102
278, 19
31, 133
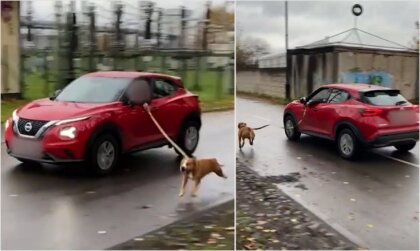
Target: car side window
338, 96
162, 88
321, 96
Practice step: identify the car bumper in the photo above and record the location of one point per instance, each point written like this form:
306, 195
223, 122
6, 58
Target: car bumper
394, 139
44, 151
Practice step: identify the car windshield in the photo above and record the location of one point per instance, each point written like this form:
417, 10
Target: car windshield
94, 90
384, 98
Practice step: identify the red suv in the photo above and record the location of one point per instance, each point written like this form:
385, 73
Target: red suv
100, 116
355, 116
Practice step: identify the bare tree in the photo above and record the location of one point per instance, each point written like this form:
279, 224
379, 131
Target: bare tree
249, 50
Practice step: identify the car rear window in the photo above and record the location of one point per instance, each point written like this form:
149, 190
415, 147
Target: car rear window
383, 98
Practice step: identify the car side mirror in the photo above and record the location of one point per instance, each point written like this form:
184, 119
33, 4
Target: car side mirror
55, 94
313, 102
302, 100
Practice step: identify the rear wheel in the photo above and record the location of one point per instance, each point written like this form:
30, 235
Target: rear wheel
290, 128
104, 154
347, 144
405, 147
189, 137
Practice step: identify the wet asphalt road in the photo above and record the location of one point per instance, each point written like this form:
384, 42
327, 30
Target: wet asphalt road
373, 201
63, 208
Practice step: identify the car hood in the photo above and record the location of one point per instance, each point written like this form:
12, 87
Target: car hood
46, 109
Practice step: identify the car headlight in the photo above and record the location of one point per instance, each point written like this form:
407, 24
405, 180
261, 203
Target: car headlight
14, 115
68, 132
6, 124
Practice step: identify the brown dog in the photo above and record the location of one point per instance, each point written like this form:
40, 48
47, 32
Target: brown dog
246, 132
195, 169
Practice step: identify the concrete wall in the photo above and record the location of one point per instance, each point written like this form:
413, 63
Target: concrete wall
270, 82
395, 71
309, 72
311, 68
10, 50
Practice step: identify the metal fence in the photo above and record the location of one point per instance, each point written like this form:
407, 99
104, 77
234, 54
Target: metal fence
55, 53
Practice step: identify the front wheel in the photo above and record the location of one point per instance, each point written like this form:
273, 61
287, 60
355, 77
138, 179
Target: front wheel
347, 144
188, 139
290, 128
104, 154
405, 147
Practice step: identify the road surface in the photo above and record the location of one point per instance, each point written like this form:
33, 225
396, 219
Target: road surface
374, 201
63, 208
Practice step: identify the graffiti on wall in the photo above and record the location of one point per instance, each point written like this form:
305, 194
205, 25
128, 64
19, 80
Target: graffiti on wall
372, 77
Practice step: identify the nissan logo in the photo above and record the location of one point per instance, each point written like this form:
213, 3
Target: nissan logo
28, 126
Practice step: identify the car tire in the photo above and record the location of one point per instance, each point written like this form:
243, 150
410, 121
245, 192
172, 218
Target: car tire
104, 154
347, 144
189, 137
290, 128
405, 147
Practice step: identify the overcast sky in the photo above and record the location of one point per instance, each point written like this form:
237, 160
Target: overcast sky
310, 21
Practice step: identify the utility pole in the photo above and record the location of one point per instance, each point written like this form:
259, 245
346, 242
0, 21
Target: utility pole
92, 38
29, 21
287, 48
159, 27
206, 25
58, 59
118, 37
287, 26
149, 12
183, 24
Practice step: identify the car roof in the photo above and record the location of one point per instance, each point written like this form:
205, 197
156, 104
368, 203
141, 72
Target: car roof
357, 87
133, 75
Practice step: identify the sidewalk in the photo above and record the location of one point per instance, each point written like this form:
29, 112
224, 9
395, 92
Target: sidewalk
266, 218
212, 229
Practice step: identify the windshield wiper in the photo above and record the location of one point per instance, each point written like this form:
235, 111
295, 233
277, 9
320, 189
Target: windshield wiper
401, 102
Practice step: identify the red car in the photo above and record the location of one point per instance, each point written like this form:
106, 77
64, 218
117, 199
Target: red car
100, 116
355, 116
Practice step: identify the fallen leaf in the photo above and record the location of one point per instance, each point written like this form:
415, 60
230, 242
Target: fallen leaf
369, 225
261, 222
407, 176
211, 241
90, 192
345, 182
259, 227
229, 228
294, 220
299, 158
209, 227
215, 235
101, 232
138, 239
353, 200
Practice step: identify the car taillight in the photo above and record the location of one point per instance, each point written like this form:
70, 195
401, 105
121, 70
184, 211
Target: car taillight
416, 108
371, 112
